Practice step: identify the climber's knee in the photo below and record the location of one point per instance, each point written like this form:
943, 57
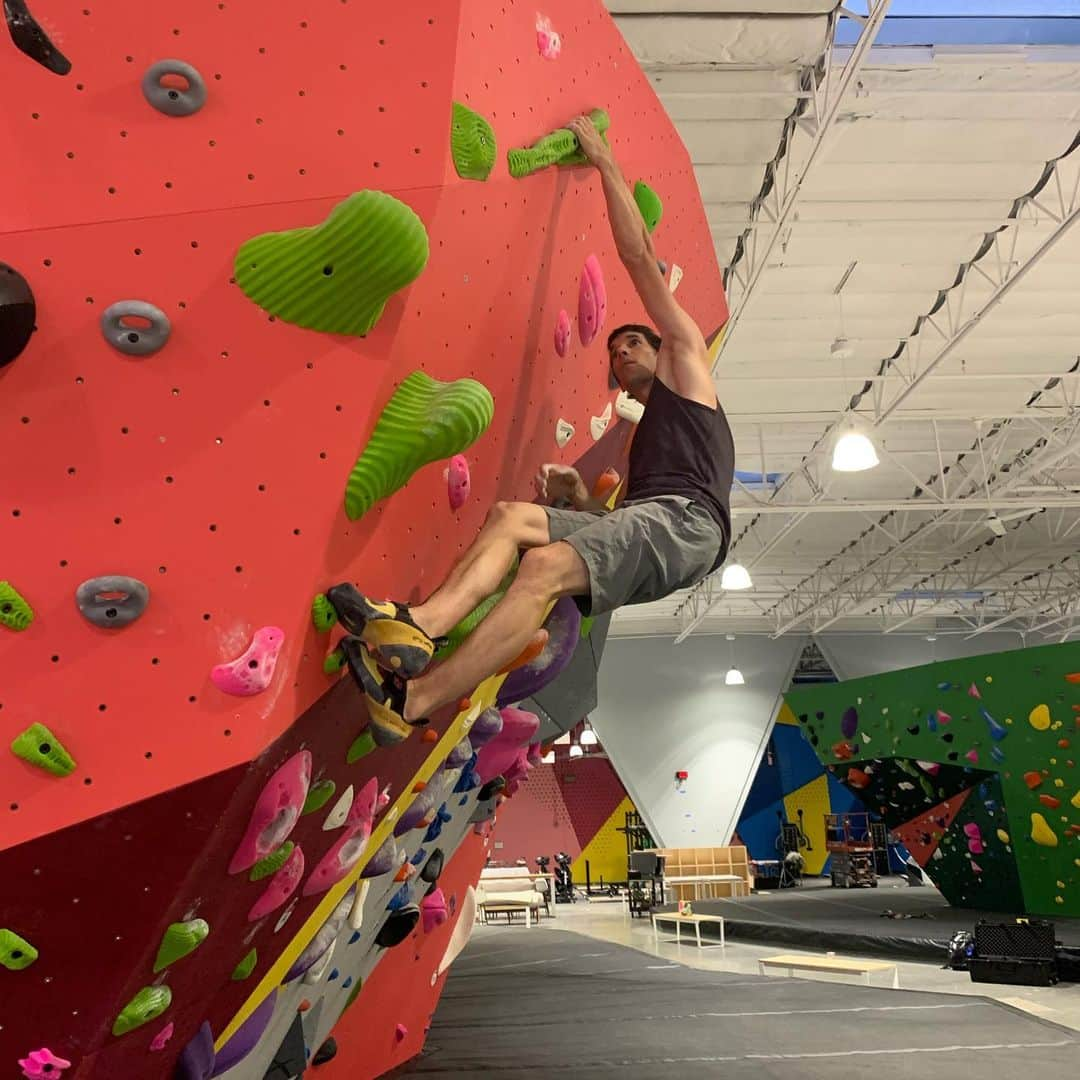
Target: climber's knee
524, 523
554, 570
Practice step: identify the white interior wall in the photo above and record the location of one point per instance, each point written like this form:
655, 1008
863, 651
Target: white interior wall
664, 708
853, 655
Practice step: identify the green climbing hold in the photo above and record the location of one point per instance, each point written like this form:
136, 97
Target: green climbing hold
587, 625
336, 277
180, 940
318, 796
362, 745
648, 202
472, 144
425, 421
272, 863
354, 993
323, 614
148, 1004
38, 746
246, 966
334, 662
456, 637
558, 148
16, 952
15, 612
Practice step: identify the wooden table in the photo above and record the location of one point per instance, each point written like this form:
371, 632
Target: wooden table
511, 907
838, 965
737, 883
679, 920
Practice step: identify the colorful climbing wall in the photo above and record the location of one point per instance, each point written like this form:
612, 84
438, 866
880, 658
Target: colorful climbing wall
234, 233
972, 763
574, 805
790, 779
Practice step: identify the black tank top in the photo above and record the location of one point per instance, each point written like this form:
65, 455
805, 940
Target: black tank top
682, 447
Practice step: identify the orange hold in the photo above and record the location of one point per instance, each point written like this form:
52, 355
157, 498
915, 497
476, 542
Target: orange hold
430, 735
1033, 780
464, 704
1050, 801
1063, 744
605, 483
843, 750
529, 653
857, 778
403, 873
419, 786
303, 1006
1073, 676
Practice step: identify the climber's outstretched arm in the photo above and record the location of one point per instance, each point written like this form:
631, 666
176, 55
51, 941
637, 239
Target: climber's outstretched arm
683, 361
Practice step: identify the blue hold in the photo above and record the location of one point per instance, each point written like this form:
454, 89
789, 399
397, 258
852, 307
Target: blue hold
399, 899
333, 975
419, 857
931, 722
463, 800
347, 983
465, 781
433, 831
355, 937
997, 731
997, 754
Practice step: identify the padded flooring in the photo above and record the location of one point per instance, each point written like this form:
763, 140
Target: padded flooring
547, 1003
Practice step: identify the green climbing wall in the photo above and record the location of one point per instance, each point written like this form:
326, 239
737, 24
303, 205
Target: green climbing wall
972, 763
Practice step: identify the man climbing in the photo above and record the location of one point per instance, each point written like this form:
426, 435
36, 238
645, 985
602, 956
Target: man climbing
672, 529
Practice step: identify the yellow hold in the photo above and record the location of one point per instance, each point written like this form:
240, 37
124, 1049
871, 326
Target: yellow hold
1039, 718
1041, 833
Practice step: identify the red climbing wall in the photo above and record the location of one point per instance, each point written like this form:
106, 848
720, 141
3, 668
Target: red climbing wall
214, 470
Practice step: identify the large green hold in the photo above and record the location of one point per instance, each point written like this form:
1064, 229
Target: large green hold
323, 616
180, 940
38, 746
16, 952
425, 421
361, 746
558, 148
472, 144
648, 202
336, 277
318, 796
148, 1004
15, 612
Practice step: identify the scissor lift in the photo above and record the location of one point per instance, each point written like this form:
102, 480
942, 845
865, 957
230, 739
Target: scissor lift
850, 842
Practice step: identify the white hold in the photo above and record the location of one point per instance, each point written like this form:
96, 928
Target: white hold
317, 970
904, 785
564, 432
356, 912
865, 737
336, 818
626, 408
463, 929
286, 915
598, 424
675, 277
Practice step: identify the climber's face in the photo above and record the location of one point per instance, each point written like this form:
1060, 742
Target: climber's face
633, 363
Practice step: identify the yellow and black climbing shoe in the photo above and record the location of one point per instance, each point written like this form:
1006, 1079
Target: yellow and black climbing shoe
400, 645
385, 694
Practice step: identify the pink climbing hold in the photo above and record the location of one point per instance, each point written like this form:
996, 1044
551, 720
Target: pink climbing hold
976, 867
972, 756
161, 1039
973, 691
350, 845
592, 300
43, 1063
282, 885
943, 717
518, 730
458, 484
974, 838
251, 673
433, 910
400, 1032
275, 813
548, 39
562, 333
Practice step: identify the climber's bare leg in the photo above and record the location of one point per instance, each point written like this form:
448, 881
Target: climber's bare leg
545, 574
483, 565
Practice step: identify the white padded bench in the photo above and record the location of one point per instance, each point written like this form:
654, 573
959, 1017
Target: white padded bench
836, 965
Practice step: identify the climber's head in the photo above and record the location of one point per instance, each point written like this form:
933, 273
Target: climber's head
632, 353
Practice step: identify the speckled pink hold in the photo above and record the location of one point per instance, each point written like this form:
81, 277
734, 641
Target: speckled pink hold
161, 1039
562, 333
592, 300
458, 483
251, 673
400, 1032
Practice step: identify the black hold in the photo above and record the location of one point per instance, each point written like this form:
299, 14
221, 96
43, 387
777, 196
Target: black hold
17, 312
326, 1052
948, 737
398, 926
913, 730
820, 715
433, 867
29, 38
953, 755
813, 740
492, 787
803, 718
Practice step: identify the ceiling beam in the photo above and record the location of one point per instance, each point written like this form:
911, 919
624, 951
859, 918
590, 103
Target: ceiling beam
782, 188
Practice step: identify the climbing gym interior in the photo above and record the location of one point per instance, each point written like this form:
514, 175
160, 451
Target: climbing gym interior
293, 297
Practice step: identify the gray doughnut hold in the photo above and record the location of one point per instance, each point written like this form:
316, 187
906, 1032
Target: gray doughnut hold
168, 99
135, 340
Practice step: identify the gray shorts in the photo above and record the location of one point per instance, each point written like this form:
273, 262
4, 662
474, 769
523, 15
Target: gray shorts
640, 552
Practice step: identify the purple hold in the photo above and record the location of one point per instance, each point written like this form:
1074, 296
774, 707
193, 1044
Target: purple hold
420, 808
849, 722
196, 1061
564, 630
324, 937
247, 1035
486, 726
383, 861
460, 754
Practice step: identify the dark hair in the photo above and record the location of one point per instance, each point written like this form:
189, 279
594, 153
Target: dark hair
647, 332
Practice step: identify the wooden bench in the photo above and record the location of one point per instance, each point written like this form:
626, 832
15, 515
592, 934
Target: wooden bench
509, 908
679, 920
837, 965
701, 884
